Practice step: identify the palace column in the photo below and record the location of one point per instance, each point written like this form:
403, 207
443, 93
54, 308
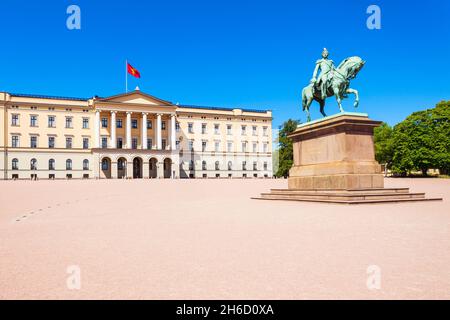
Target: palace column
113, 169
160, 170
158, 132
113, 141
173, 144
144, 131
97, 129
128, 130
145, 169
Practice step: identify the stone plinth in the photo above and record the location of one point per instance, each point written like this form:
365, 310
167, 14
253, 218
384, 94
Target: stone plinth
336, 152
334, 161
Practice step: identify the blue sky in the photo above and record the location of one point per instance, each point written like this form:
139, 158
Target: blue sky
255, 54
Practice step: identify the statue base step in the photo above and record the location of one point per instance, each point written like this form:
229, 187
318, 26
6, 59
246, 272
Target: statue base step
349, 196
337, 181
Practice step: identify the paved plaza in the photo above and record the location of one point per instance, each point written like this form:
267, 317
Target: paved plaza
206, 239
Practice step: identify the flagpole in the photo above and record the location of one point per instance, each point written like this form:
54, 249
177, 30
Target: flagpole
126, 75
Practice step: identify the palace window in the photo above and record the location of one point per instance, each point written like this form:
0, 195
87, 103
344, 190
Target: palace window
217, 165
244, 146
33, 142
104, 142
68, 164
203, 165
104, 122
265, 165
229, 132
85, 143
203, 128
134, 143
230, 146
216, 129
191, 145
121, 164
119, 123
85, 123
217, 146
69, 122
85, 164
265, 147
190, 127
163, 125
14, 120
51, 142
203, 146
149, 124
33, 164
243, 130
51, 121
163, 144
134, 123
119, 143
68, 143
51, 164
15, 141
15, 164
191, 165
255, 147
265, 131
177, 144
244, 165
33, 121
105, 164
177, 126
230, 165
254, 130
255, 166
149, 144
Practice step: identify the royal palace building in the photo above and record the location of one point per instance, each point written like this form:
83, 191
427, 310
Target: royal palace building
131, 135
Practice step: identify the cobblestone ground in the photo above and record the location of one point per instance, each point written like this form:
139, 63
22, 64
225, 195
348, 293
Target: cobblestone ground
206, 239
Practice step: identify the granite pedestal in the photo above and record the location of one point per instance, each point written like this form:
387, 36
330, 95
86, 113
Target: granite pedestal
334, 161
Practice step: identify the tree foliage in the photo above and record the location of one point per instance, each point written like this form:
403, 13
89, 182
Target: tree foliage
285, 147
420, 142
383, 144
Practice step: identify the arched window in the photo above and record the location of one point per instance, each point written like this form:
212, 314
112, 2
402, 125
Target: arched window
230, 165
121, 164
217, 165
51, 164
105, 164
15, 164
203, 165
33, 164
68, 164
85, 164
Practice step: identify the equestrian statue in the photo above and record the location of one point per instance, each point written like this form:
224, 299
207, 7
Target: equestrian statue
331, 81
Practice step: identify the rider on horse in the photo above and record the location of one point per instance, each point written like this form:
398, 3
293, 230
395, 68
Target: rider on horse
327, 69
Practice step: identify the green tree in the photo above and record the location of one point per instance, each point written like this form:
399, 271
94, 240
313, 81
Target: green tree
285, 147
384, 148
422, 141
441, 119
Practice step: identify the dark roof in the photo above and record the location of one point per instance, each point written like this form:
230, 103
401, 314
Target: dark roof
220, 108
40, 96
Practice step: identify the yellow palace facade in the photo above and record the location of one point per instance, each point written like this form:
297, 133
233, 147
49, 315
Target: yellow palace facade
130, 135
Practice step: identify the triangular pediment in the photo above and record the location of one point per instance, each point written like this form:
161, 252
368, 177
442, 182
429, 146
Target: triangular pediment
136, 97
